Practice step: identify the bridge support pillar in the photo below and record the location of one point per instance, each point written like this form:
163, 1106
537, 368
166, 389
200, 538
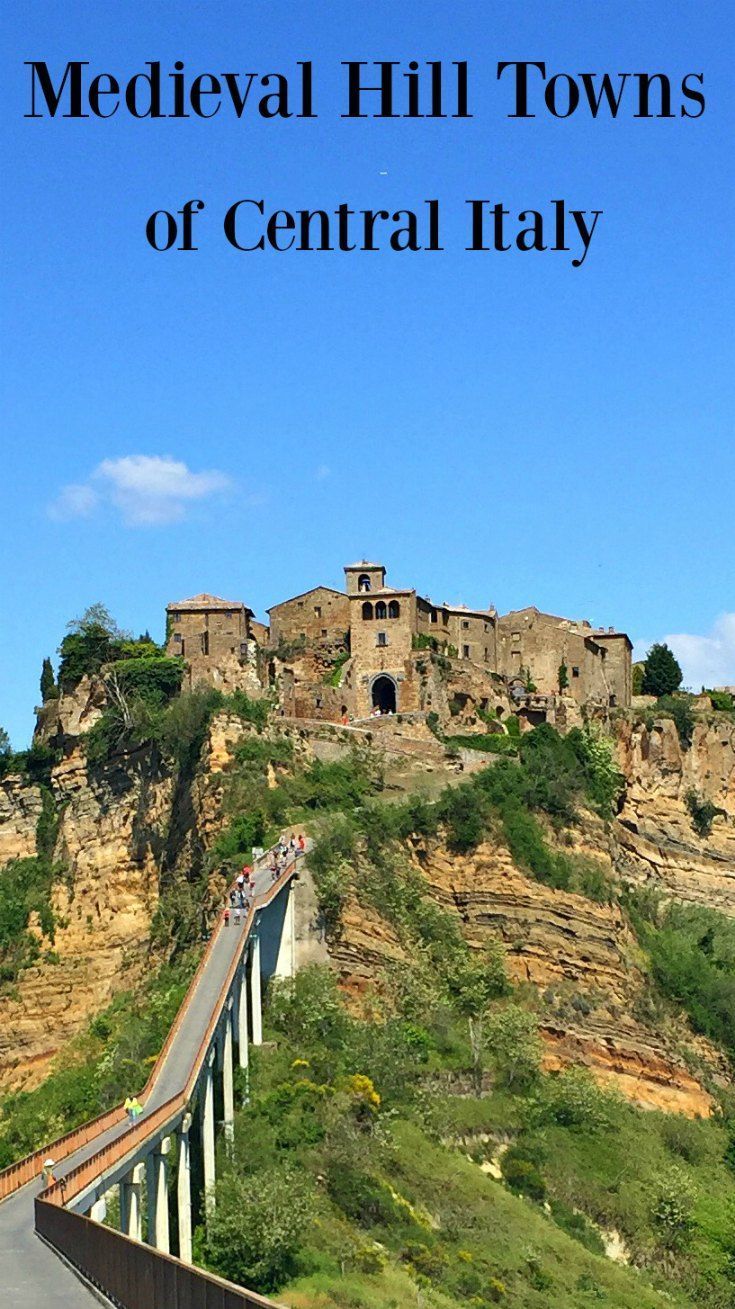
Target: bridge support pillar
255, 990
207, 1106
242, 1019
157, 1184
131, 1217
183, 1190
286, 961
98, 1212
228, 1084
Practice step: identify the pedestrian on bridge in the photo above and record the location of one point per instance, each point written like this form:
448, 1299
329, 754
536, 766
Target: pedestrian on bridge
129, 1110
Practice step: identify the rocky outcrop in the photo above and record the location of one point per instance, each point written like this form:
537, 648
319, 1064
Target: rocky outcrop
655, 842
112, 831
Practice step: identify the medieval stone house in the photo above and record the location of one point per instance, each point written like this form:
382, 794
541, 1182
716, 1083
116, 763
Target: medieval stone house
215, 638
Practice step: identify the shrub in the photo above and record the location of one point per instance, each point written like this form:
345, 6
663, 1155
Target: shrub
722, 700
573, 1099
702, 812
520, 1170
257, 1226
515, 1046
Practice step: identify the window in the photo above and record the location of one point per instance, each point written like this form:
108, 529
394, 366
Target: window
324, 631
176, 618
363, 582
381, 610
575, 671
487, 656
317, 611
465, 652
367, 610
433, 615
465, 625
229, 614
178, 637
382, 638
515, 636
205, 643
300, 604
394, 609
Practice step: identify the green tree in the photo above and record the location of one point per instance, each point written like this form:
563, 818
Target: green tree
512, 1036
257, 1227
91, 641
474, 981
563, 676
48, 681
5, 747
661, 671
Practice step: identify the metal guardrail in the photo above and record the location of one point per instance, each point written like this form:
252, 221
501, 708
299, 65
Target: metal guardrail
133, 1275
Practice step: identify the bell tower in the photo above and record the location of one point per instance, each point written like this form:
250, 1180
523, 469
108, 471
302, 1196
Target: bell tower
362, 578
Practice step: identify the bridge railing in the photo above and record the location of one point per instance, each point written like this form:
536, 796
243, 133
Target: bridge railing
25, 1170
133, 1275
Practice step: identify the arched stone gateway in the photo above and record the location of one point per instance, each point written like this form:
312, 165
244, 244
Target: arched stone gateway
385, 694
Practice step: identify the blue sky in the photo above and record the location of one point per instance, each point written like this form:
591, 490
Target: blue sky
494, 427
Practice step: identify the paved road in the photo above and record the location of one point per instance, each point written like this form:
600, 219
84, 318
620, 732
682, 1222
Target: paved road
31, 1276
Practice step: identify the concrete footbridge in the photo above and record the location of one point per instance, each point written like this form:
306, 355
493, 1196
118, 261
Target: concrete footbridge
110, 1166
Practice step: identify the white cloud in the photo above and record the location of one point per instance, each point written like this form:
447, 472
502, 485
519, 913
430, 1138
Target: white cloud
146, 490
73, 501
705, 660
322, 472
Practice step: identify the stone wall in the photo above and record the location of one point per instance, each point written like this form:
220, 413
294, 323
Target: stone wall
320, 616
540, 643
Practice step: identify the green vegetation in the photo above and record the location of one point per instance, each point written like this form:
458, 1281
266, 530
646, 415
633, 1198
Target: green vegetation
95, 640
354, 1119
703, 812
678, 707
334, 675
723, 701
661, 671
49, 689
692, 957
99, 1068
258, 810
25, 890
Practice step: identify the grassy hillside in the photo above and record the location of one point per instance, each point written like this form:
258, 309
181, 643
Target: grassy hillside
416, 1154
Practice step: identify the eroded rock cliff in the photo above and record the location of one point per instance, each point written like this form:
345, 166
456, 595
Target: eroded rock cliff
655, 842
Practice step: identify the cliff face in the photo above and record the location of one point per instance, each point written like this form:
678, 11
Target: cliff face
111, 835
579, 955
654, 840
121, 824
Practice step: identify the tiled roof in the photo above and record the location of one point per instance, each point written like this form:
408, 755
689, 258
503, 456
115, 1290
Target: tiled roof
205, 601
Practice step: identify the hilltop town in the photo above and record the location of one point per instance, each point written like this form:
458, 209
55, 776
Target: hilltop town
377, 650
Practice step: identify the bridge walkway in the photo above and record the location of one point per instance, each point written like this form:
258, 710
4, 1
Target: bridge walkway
31, 1274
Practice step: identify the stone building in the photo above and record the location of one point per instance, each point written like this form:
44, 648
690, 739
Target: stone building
215, 638
539, 648
320, 616
389, 624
